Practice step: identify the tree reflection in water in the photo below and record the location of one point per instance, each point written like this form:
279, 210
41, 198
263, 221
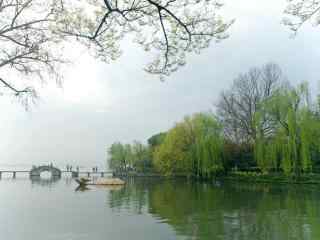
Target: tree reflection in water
226, 211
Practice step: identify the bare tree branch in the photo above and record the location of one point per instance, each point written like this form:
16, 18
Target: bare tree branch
17, 92
238, 106
27, 37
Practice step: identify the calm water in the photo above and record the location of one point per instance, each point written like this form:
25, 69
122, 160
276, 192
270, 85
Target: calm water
154, 209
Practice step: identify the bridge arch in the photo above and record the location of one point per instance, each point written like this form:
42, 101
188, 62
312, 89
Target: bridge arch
36, 171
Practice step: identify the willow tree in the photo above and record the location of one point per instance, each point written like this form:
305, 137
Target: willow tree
174, 155
117, 156
207, 148
194, 146
295, 132
120, 156
141, 156
238, 105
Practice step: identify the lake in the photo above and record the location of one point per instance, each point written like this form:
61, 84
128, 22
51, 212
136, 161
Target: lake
157, 209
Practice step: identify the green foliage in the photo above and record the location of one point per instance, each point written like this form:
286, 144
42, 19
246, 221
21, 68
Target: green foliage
156, 139
141, 157
117, 156
174, 155
294, 134
284, 130
194, 147
123, 157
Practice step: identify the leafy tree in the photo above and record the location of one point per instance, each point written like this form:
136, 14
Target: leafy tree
142, 157
193, 147
33, 33
237, 107
117, 156
171, 28
123, 157
301, 11
129, 157
295, 133
156, 139
238, 156
120, 156
174, 155
29, 44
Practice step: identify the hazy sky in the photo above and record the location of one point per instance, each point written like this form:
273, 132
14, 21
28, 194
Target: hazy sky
101, 103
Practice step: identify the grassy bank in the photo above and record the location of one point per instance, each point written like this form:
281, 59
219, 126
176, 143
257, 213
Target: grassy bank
239, 176
311, 178
150, 174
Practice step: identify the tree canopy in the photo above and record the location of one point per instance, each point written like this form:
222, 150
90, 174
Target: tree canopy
294, 138
193, 147
262, 124
29, 43
301, 11
238, 105
32, 33
123, 157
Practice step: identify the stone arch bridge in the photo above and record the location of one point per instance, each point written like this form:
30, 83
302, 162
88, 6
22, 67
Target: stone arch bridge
36, 172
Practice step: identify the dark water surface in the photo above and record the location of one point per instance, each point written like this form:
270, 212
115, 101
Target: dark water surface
155, 209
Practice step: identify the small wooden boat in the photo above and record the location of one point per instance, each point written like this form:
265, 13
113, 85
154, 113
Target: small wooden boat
109, 181
101, 182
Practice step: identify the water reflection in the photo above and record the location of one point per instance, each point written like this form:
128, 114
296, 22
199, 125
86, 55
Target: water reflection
45, 182
158, 209
225, 211
131, 197
82, 188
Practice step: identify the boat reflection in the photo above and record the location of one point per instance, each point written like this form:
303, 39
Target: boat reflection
82, 188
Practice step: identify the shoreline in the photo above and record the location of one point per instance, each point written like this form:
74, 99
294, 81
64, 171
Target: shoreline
306, 179
249, 177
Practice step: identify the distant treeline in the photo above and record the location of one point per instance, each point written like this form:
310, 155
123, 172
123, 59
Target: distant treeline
261, 123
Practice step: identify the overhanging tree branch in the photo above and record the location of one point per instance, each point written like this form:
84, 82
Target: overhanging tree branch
31, 29
15, 90
173, 28
301, 11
